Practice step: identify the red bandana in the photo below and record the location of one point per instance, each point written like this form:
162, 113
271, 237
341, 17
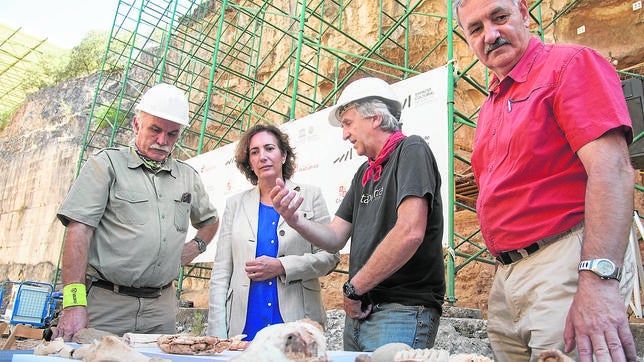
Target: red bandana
375, 167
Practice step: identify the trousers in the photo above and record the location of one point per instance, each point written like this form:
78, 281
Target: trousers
392, 322
529, 299
120, 314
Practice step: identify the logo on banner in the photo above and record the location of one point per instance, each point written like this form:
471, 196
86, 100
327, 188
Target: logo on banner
342, 192
420, 97
347, 156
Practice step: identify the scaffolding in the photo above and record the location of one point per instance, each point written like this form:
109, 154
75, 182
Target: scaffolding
243, 62
18, 54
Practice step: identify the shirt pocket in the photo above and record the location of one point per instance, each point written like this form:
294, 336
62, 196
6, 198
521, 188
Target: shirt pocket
308, 213
312, 298
131, 207
181, 215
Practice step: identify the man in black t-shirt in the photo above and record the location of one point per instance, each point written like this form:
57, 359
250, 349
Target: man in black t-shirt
393, 215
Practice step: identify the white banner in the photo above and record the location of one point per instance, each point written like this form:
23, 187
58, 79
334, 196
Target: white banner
324, 159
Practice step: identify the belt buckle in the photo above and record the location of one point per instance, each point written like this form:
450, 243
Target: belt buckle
523, 253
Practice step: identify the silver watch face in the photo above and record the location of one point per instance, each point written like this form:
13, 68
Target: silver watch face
605, 267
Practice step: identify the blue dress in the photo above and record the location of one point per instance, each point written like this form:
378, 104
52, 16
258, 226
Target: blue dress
263, 306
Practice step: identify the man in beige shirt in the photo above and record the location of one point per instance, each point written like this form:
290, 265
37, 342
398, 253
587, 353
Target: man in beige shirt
127, 217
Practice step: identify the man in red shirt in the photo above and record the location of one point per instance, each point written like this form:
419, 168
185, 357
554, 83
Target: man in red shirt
556, 189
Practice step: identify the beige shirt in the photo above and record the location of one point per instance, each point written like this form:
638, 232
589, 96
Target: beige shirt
140, 218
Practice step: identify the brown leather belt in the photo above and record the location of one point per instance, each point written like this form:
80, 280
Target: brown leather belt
130, 291
512, 256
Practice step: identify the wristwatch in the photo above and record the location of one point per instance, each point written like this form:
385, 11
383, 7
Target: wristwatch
201, 245
605, 268
349, 291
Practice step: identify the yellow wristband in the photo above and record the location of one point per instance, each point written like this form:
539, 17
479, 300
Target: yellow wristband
74, 295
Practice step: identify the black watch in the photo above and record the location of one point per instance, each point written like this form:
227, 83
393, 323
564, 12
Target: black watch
350, 291
201, 245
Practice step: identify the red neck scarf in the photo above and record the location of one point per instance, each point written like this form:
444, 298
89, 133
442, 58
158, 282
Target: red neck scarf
375, 167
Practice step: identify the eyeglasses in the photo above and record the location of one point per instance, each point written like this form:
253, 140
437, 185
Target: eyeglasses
344, 108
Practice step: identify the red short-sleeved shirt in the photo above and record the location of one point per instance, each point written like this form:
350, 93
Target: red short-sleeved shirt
531, 182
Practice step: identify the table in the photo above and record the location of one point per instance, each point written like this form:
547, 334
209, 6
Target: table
7, 355
28, 356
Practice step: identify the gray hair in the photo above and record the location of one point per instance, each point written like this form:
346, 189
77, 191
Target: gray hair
456, 4
138, 113
376, 107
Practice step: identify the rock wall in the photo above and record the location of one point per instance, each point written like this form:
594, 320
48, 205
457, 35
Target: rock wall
39, 152
611, 27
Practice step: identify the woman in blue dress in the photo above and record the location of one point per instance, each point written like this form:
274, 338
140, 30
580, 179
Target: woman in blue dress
264, 271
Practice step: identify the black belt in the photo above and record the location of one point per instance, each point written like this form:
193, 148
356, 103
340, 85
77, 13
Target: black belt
512, 256
130, 291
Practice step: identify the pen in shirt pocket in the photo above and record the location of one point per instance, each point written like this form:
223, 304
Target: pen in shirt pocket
186, 197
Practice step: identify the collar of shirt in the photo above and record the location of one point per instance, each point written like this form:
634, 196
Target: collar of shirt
521, 70
135, 161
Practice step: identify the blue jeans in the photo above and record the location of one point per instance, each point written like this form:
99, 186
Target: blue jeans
392, 322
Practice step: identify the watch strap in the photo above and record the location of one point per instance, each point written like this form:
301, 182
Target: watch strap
201, 245
584, 265
349, 291
592, 265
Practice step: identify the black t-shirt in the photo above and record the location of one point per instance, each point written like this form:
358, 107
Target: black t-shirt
410, 170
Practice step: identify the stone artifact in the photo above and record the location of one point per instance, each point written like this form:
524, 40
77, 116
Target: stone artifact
400, 352
109, 348
387, 352
89, 335
422, 355
301, 341
554, 355
113, 349
55, 348
198, 345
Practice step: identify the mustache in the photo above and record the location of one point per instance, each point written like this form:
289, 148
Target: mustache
165, 149
497, 43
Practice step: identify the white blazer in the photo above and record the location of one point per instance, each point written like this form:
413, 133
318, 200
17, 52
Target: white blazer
298, 291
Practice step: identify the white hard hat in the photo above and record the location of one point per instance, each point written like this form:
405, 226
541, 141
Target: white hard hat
165, 101
365, 88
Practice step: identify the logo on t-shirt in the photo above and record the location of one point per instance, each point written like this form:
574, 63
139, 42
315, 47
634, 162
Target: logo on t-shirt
367, 198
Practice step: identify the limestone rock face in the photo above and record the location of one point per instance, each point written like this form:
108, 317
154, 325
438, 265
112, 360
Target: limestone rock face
39, 151
611, 27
